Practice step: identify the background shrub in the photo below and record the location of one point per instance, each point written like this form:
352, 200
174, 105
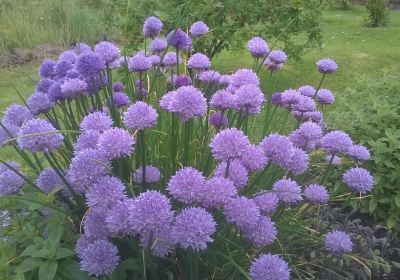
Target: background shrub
377, 13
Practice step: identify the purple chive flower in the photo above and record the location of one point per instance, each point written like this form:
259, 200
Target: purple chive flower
89, 64
39, 103
229, 144
68, 56
306, 135
278, 56
82, 243
179, 39
140, 115
94, 223
120, 99
55, 93
166, 101
152, 27
188, 102
86, 168
244, 76
118, 217
105, 192
258, 47
298, 163
304, 104
272, 66
218, 120
45, 138
199, 61
82, 48
61, 68
44, 85
288, 191
86, 140
225, 80
316, 194
276, 99
170, 59
198, 29
181, 81
253, 158
267, 202
100, 258
325, 96
278, 148
160, 243
222, 100
307, 90
10, 182
107, 51
217, 192
290, 97
237, 173
358, 179
316, 116
115, 143
151, 214
96, 121
327, 66
335, 160
16, 115
48, 180
209, 77
158, 45
263, 234
338, 242
248, 99
269, 267
8, 132
13, 164
72, 73
46, 69
153, 175
72, 88
118, 87
242, 212
139, 63
336, 142
187, 185
359, 152
193, 228
155, 60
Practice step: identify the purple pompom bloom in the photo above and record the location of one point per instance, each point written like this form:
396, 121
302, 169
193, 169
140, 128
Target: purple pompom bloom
263, 234
237, 173
100, 258
39, 103
86, 140
140, 115
55, 93
307, 90
225, 80
288, 191
81, 48
166, 101
45, 139
359, 152
277, 56
117, 87
179, 39
155, 60
218, 120
68, 56
10, 182
89, 64
106, 192
248, 99
325, 96
327, 66
139, 63
242, 212
244, 76
276, 98
316, 117
8, 132
193, 228
120, 99
115, 143
72, 88
253, 158
94, 224
46, 69
96, 121
61, 68
187, 185
152, 27
229, 144
209, 77
298, 163
333, 159
13, 164
44, 85
316, 194
158, 45
267, 202
118, 217
16, 115
304, 104
358, 179
199, 61
272, 65
336, 142
278, 148
181, 81
306, 135
48, 180
257, 47
290, 97
188, 102
338, 242
170, 59
222, 100
82, 243
153, 175
198, 29
217, 192
269, 267
107, 51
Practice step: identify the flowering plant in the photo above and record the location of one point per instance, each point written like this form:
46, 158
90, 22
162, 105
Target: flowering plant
151, 166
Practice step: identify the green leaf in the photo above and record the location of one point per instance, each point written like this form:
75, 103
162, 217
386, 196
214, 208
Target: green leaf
397, 200
70, 270
63, 253
372, 205
28, 264
47, 270
31, 249
395, 264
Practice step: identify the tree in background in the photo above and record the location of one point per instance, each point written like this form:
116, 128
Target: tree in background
377, 13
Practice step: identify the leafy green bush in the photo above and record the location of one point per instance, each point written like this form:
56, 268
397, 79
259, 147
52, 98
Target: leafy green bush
377, 13
371, 113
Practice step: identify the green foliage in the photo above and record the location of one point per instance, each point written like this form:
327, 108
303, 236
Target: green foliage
296, 24
377, 13
371, 113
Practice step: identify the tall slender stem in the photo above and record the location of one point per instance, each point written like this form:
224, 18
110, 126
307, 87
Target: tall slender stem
328, 168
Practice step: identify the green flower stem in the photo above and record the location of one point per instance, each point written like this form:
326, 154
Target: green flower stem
186, 147
328, 168
320, 84
58, 209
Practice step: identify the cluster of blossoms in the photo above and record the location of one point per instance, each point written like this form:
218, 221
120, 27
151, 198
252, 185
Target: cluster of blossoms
112, 135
